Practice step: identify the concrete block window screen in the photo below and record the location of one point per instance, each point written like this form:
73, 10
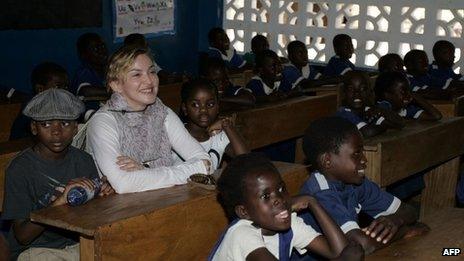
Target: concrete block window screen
377, 27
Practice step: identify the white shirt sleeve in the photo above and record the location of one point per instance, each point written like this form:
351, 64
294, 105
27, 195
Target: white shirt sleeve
103, 144
303, 234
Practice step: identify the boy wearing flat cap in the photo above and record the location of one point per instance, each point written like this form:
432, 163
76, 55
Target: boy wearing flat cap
42, 175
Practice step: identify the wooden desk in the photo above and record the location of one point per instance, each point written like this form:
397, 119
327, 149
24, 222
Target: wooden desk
8, 151
272, 123
326, 89
242, 78
169, 94
178, 223
451, 108
431, 146
8, 113
447, 230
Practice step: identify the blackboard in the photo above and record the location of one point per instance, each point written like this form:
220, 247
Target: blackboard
48, 14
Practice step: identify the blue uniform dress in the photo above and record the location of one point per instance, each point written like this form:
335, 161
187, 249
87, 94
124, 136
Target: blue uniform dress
232, 59
233, 90
291, 76
86, 76
338, 66
259, 88
344, 202
348, 114
460, 190
443, 76
410, 112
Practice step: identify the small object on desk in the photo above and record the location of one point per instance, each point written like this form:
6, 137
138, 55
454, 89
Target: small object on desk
79, 195
203, 181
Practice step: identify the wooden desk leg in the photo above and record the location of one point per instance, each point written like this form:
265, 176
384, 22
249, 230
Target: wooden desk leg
440, 187
87, 249
299, 154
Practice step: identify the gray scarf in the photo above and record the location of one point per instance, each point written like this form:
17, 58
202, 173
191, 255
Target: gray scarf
142, 135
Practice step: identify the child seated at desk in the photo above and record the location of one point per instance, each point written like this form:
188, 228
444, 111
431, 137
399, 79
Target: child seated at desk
393, 93
441, 68
139, 41
42, 175
358, 106
340, 63
219, 47
266, 85
258, 43
216, 71
200, 106
45, 76
391, 62
89, 78
334, 147
298, 73
264, 228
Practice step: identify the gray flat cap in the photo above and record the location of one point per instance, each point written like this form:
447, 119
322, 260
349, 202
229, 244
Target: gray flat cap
54, 104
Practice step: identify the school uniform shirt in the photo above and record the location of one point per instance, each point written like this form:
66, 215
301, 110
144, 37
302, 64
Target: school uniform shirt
215, 146
348, 114
344, 202
259, 88
338, 66
443, 76
85, 76
410, 112
291, 76
232, 59
243, 238
233, 90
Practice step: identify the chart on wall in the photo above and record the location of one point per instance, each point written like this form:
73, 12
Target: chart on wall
149, 17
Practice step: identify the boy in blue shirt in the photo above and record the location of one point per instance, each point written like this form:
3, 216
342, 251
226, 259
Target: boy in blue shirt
219, 47
391, 62
442, 67
358, 107
334, 147
298, 72
90, 76
258, 43
340, 63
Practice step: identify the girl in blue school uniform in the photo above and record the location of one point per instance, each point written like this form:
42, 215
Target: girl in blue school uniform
441, 68
264, 227
392, 92
266, 85
358, 107
219, 47
340, 63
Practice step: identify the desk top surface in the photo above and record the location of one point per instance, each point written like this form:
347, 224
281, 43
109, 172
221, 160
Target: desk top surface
412, 128
87, 218
447, 231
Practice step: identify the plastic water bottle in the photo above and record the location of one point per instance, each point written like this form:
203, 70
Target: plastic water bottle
79, 195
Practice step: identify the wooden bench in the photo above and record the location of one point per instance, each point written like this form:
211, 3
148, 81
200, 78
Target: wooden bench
169, 94
450, 108
8, 151
431, 146
8, 114
447, 230
242, 78
178, 223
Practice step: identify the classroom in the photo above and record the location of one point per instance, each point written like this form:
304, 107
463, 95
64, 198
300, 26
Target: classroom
231, 130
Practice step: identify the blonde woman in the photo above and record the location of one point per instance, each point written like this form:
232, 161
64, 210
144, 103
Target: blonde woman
132, 136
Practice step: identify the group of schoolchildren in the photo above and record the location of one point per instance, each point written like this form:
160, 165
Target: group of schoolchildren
266, 223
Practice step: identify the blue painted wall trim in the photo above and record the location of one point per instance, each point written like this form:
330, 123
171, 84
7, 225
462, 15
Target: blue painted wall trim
21, 50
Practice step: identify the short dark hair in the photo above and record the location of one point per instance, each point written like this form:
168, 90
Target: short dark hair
135, 39
261, 57
293, 45
257, 39
385, 60
188, 88
339, 39
84, 40
324, 135
212, 34
440, 45
43, 72
231, 184
385, 82
212, 63
411, 57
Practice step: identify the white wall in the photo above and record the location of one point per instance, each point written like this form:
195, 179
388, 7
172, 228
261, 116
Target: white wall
377, 27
